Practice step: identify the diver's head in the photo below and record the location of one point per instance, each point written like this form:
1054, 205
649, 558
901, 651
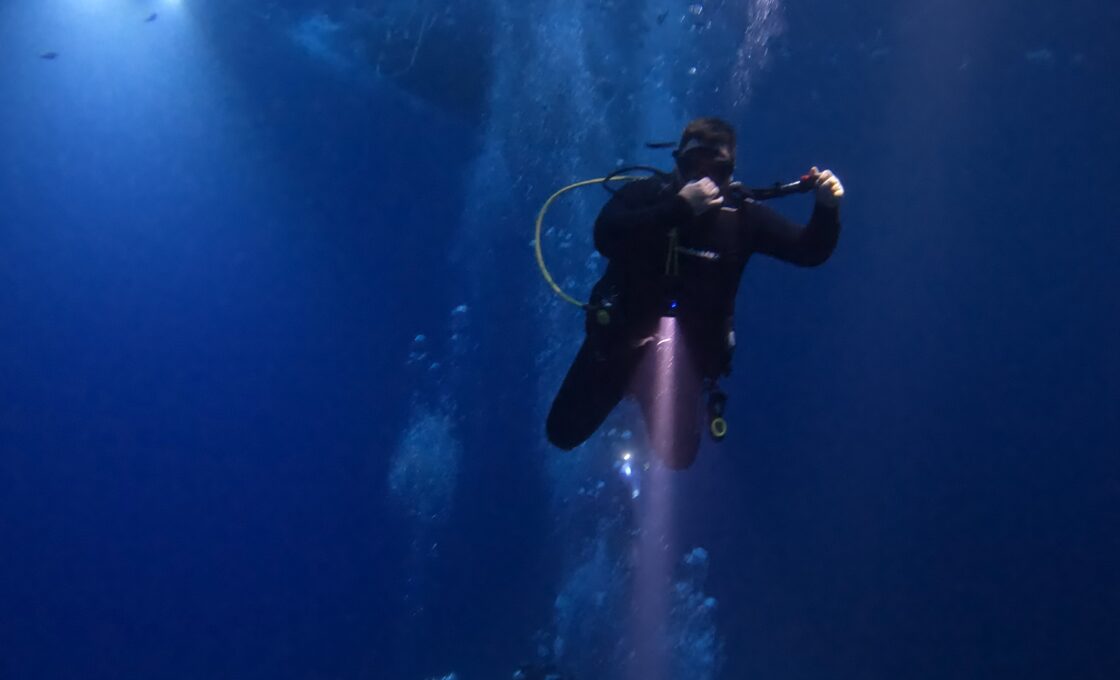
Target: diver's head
706, 149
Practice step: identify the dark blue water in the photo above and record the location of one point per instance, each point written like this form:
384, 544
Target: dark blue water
275, 357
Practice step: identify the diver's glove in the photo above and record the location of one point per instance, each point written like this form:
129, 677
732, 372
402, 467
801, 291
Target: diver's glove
702, 195
829, 188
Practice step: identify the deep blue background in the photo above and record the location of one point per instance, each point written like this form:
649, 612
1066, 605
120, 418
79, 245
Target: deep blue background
213, 258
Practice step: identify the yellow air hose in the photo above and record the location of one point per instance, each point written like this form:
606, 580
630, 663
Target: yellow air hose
540, 227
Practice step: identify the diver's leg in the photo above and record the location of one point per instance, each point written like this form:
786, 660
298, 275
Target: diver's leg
593, 387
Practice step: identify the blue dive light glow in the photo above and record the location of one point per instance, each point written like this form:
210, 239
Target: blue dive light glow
625, 467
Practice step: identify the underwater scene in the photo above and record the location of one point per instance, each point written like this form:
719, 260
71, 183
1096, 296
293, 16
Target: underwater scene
559, 340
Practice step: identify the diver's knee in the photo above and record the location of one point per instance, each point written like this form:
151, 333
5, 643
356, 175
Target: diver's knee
563, 444
563, 440
560, 436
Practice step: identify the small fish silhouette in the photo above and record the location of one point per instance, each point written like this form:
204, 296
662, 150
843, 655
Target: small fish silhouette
151, 17
661, 17
49, 55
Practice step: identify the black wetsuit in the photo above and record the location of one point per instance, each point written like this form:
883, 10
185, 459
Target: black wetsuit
634, 232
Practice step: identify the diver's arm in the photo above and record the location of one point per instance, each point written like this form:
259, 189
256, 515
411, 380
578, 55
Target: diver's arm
781, 238
640, 214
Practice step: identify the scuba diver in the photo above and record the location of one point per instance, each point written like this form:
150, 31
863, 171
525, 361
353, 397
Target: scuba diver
676, 245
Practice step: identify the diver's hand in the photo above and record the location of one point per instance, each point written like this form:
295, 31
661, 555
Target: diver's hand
702, 195
829, 188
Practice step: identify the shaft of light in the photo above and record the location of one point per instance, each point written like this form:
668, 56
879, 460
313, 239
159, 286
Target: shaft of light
654, 543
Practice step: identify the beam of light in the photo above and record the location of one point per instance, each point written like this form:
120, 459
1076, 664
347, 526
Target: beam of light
650, 605
664, 426
655, 539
